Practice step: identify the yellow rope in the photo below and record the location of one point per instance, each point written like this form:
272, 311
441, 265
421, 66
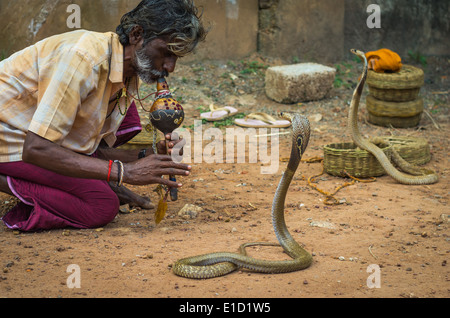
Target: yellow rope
329, 197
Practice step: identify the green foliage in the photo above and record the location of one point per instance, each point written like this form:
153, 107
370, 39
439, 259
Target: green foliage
338, 81
202, 109
356, 59
3, 54
343, 73
198, 69
231, 64
417, 57
229, 121
252, 67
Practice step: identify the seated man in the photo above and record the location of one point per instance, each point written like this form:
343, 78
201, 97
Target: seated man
62, 103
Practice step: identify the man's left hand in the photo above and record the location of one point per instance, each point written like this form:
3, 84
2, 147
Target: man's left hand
173, 140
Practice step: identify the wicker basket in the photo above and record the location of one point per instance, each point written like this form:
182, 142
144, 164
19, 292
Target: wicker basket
393, 98
408, 77
394, 95
414, 150
394, 109
396, 122
340, 157
395, 114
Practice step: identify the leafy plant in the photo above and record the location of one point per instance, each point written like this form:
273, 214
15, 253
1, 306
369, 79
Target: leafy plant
228, 121
221, 123
198, 69
3, 54
202, 109
417, 57
338, 81
343, 70
231, 64
252, 67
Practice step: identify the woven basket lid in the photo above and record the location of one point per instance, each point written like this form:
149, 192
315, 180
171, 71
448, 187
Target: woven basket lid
408, 77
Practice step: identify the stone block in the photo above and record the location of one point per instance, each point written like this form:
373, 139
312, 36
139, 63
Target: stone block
302, 82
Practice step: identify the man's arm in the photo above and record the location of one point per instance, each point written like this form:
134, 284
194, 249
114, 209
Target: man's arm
130, 155
125, 155
43, 153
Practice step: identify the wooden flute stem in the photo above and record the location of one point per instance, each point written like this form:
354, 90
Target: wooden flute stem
173, 191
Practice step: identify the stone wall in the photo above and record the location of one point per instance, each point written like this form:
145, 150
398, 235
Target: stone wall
293, 30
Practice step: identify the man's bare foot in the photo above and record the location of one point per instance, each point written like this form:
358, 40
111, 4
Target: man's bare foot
126, 196
142, 202
4, 187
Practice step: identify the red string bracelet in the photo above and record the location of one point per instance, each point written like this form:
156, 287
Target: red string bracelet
109, 170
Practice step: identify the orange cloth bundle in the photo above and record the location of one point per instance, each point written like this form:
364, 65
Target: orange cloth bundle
384, 61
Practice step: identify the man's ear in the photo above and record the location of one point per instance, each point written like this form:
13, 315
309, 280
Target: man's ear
136, 35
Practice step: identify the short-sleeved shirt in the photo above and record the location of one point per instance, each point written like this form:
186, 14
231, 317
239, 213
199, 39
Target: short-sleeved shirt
60, 89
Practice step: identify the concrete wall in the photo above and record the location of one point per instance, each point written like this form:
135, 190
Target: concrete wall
421, 26
233, 29
305, 30
24, 22
293, 30
233, 23
325, 30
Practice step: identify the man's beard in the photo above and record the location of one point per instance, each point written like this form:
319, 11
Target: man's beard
144, 68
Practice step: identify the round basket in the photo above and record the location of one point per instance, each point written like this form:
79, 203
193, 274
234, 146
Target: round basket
395, 114
414, 150
394, 109
394, 95
396, 122
340, 157
408, 77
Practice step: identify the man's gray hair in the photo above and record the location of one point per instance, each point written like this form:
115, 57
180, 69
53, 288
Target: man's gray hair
177, 20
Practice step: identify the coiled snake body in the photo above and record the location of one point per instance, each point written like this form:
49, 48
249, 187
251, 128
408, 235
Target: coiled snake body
218, 264
416, 175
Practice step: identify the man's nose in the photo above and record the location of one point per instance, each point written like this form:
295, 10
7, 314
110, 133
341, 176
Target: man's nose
170, 63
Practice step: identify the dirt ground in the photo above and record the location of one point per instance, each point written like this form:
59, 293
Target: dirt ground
399, 228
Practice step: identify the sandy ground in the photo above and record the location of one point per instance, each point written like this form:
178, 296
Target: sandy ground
400, 230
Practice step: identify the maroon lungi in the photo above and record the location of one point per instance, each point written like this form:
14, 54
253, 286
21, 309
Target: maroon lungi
49, 200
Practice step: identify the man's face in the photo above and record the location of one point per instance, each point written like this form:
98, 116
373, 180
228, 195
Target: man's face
154, 61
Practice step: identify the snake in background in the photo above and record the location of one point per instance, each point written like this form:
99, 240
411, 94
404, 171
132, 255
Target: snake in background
219, 264
414, 175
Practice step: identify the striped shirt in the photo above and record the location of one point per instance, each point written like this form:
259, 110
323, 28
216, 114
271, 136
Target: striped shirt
63, 89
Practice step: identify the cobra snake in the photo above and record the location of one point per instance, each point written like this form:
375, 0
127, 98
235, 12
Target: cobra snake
416, 175
219, 264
